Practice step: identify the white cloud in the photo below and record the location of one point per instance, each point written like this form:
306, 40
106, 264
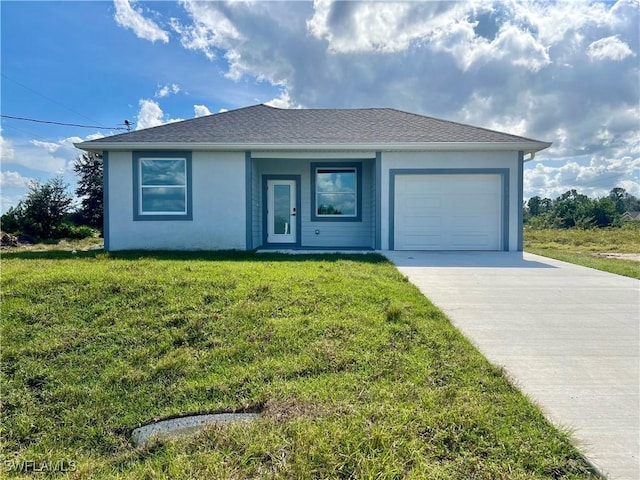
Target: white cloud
522, 66
151, 115
14, 180
51, 157
440, 26
609, 48
210, 29
94, 136
200, 110
595, 178
282, 101
167, 90
128, 16
374, 26
6, 150
50, 147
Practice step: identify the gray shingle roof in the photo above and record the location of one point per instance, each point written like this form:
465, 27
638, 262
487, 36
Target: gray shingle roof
261, 124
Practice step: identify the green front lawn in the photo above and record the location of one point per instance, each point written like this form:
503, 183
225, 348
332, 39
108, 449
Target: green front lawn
356, 373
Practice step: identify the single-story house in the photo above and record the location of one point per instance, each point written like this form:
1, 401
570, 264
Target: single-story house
631, 216
264, 177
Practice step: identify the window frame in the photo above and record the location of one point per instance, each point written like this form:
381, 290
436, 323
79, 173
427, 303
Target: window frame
356, 167
138, 213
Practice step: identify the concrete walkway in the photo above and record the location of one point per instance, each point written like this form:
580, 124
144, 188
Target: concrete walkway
568, 335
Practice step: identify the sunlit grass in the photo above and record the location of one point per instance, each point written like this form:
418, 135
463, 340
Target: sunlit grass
357, 374
583, 246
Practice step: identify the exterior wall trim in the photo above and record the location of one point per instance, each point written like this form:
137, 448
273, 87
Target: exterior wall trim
105, 199
503, 172
298, 180
526, 146
378, 217
136, 156
520, 244
248, 174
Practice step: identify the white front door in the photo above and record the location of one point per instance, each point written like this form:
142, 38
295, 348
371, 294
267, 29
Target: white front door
281, 211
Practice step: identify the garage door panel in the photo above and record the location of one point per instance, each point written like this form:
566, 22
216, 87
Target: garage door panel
424, 242
470, 241
479, 203
447, 212
472, 225
422, 202
421, 223
416, 186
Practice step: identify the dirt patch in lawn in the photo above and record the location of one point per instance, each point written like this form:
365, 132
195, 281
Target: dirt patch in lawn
623, 256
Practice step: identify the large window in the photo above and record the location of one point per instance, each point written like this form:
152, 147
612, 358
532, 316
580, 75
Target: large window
162, 186
336, 192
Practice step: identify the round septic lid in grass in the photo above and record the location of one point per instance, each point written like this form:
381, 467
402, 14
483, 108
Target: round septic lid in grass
176, 427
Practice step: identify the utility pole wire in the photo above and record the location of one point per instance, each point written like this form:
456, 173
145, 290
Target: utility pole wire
46, 98
61, 123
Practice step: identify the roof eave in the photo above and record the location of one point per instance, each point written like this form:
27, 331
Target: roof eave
524, 146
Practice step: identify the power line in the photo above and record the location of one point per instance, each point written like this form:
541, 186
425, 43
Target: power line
46, 98
28, 132
62, 123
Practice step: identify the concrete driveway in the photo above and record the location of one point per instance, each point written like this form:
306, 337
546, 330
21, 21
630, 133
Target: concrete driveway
569, 336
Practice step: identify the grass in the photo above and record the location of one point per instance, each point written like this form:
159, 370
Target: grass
583, 246
356, 373
88, 243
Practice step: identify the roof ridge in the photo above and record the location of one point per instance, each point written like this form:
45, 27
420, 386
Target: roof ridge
336, 109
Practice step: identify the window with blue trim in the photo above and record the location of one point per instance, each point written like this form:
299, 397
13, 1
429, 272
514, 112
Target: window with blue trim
162, 183
163, 186
336, 192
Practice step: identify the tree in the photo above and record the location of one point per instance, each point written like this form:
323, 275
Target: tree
90, 169
538, 212
573, 209
10, 221
624, 201
604, 212
44, 208
534, 206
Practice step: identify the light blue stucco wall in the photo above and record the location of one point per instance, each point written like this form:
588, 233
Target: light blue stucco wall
218, 195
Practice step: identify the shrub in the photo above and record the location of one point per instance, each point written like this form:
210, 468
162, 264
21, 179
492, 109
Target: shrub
68, 230
10, 221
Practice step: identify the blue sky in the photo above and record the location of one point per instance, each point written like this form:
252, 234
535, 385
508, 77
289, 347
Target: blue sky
565, 72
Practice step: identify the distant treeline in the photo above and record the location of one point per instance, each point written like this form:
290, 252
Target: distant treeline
49, 211
575, 210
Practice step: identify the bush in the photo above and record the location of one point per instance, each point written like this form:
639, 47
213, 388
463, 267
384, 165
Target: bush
84, 231
43, 210
10, 221
68, 230
45, 214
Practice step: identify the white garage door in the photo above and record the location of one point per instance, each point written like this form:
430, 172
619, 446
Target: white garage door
447, 212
